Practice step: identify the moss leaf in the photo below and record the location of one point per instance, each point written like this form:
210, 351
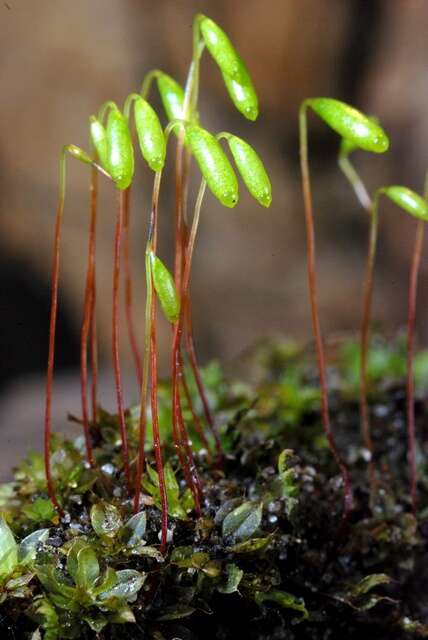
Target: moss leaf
243, 521
105, 519
8, 549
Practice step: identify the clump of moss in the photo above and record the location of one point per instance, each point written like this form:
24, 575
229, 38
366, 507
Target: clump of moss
270, 557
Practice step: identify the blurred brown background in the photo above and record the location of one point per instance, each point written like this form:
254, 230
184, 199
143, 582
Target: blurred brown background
60, 60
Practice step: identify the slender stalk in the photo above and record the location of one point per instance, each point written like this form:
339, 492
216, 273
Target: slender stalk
94, 357
372, 209
128, 290
155, 426
115, 338
356, 182
410, 386
365, 337
150, 357
142, 426
178, 425
51, 356
189, 109
197, 423
310, 233
189, 324
52, 332
87, 318
93, 321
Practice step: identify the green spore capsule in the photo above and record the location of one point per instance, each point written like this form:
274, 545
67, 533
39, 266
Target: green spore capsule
163, 283
99, 139
150, 134
78, 153
120, 153
408, 200
252, 170
242, 93
351, 124
172, 96
220, 47
214, 165
347, 146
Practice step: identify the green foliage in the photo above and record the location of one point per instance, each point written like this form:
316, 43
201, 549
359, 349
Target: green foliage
105, 519
8, 550
83, 595
241, 523
180, 503
284, 599
41, 510
268, 522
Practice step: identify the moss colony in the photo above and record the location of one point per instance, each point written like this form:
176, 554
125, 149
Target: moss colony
271, 555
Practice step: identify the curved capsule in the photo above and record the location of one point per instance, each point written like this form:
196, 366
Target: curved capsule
242, 92
78, 153
252, 170
163, 283
408, 200
214, 165
150, 134
120, 153
347, 146
172, 96
99, 139
350, 124
220, 47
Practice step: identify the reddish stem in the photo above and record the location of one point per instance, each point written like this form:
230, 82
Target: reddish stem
316, 327
51, 356
181, 437
94, 355
179, 428
197, 423
190, 349
155, 427
413, 284
128, 289
115, 338
87, 319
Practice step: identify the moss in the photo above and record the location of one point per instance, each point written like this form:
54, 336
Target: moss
271, 556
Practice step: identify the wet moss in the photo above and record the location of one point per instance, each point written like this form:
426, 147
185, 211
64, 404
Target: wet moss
271, 556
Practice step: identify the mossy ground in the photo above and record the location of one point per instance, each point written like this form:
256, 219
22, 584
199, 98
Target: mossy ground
271, 556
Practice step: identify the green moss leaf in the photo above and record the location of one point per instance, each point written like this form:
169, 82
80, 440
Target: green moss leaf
88, 568
284, 599
233, 578
129, 582
105, 519
250, 546
27, 550
135, 528
243, 521
41, 510
8, 549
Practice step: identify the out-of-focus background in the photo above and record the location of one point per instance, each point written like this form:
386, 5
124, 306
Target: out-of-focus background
61, 60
